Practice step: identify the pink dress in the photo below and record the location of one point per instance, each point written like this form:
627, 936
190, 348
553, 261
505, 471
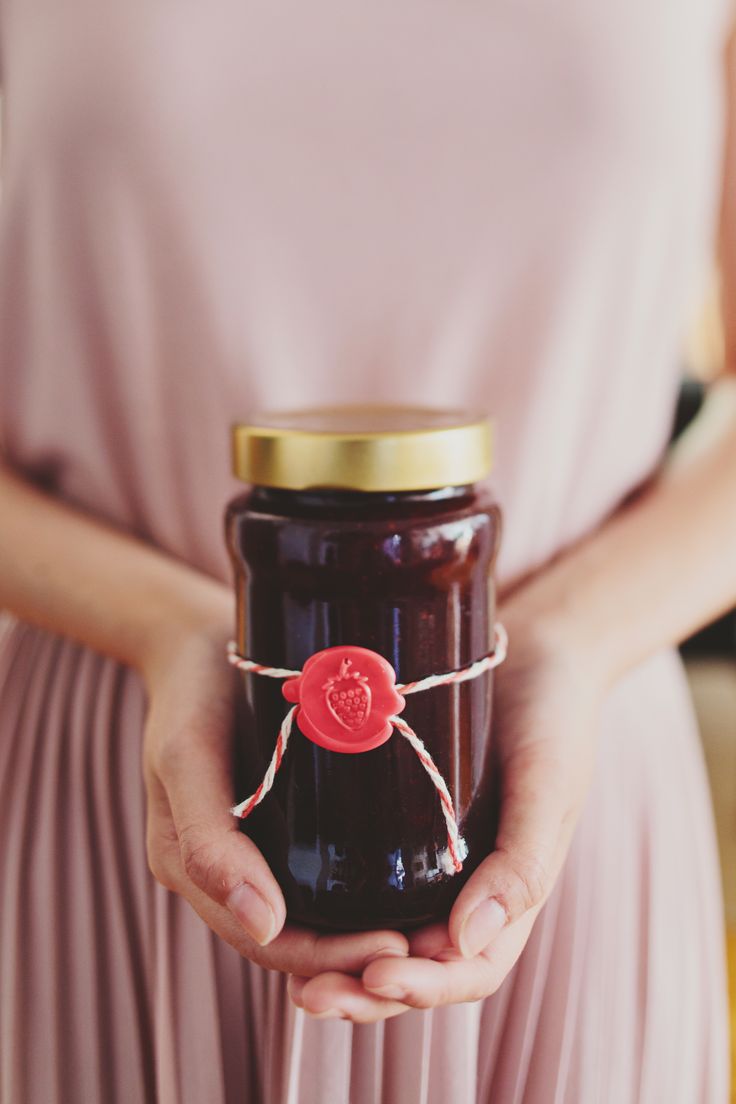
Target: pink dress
212, 208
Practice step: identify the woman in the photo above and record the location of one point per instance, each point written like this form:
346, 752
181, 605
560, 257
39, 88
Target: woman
210, 211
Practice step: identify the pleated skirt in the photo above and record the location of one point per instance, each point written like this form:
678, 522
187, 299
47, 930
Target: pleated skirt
113, 990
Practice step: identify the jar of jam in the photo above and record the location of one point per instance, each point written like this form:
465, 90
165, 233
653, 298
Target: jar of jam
365, 528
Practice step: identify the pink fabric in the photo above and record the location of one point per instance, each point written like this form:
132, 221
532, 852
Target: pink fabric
213, 208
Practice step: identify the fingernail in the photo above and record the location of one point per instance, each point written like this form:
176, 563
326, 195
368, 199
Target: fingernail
330, 1014
253, 912
296, 988
482, 927
391, 992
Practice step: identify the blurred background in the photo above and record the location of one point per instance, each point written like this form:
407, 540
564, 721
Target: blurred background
711, 657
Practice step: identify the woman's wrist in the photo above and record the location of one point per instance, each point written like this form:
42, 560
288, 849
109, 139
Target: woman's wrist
70, 573
656, 570
192, 607
550, 615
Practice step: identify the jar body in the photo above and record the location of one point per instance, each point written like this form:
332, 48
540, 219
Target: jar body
359, 840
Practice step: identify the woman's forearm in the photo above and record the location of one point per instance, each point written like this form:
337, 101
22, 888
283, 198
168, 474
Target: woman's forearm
659, 569
662, 567
70, 574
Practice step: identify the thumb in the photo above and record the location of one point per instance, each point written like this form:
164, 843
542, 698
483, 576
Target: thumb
219, 859
228, 867
518, 876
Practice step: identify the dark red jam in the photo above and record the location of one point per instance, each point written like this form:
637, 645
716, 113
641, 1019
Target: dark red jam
359, 840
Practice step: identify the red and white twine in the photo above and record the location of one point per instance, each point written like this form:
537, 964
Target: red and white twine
464, 674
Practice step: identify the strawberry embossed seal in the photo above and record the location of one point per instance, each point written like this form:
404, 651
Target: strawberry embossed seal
346, 696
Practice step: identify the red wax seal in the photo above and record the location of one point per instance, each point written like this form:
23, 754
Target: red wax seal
345, 697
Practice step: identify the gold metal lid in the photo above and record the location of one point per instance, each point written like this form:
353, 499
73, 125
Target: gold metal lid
363, 448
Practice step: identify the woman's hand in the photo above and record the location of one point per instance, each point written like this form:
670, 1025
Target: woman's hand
545, 713
194, 846
151, 611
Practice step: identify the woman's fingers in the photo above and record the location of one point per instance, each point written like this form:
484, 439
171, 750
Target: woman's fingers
190, 756
338, 996
308, 953
221, 861
203, 861
429, 941
294, 950
536, 817
425, 983
391, 985
449, 978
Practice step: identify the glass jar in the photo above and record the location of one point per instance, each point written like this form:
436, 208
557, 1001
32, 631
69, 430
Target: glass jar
366, 527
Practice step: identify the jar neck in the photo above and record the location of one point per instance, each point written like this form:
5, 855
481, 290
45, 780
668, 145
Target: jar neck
280, 500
